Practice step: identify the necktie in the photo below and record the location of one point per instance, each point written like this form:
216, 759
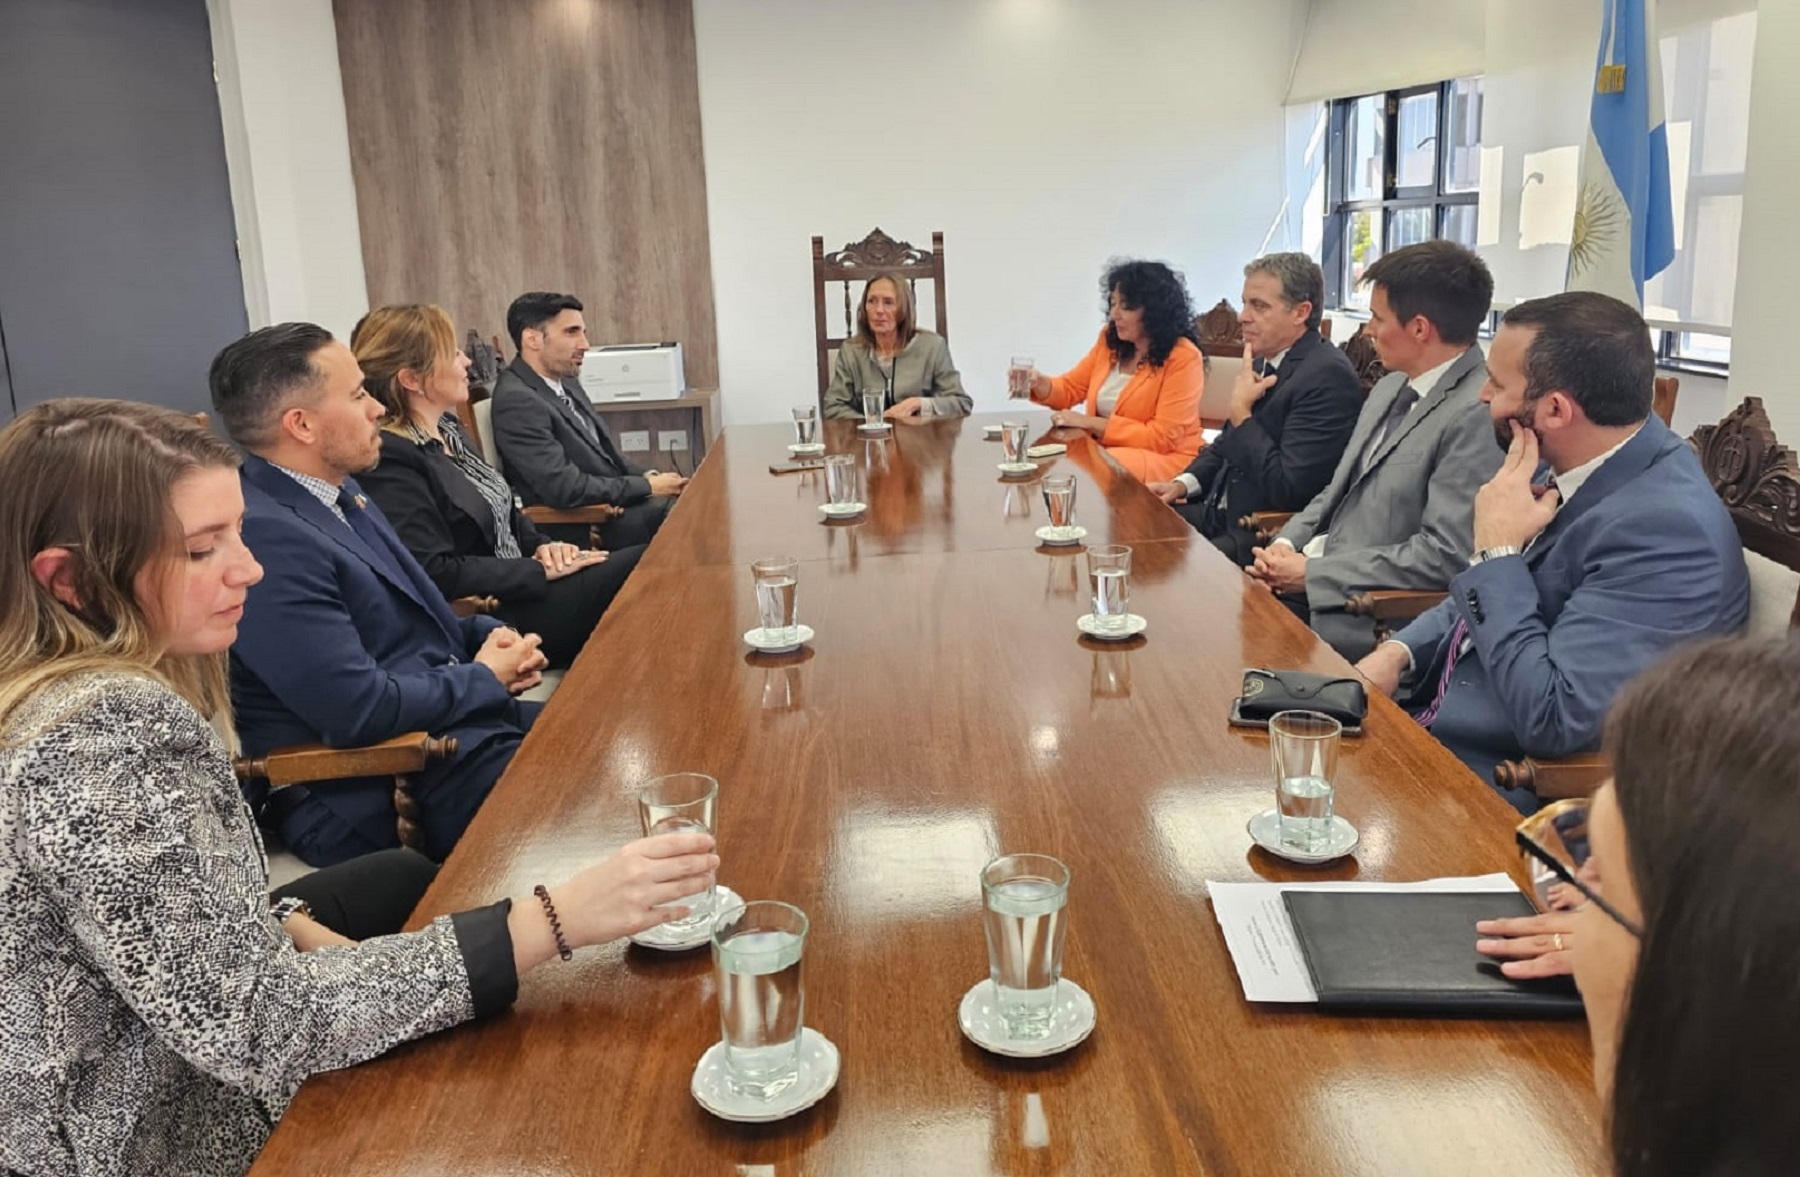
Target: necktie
1459, 634
1390, 421
582, 420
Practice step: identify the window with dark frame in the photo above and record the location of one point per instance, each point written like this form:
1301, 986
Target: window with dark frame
1401, 167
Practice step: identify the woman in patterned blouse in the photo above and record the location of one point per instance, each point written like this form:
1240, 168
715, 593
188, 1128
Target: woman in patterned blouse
160, 1010
454, 511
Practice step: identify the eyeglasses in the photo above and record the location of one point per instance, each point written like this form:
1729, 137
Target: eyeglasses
1565, 822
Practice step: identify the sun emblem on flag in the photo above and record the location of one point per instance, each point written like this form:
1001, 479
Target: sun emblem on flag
1599, 218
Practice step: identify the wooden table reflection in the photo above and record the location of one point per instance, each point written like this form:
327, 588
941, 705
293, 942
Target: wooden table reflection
947, 711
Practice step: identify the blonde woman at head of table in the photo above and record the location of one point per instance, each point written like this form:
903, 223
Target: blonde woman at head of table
892, 355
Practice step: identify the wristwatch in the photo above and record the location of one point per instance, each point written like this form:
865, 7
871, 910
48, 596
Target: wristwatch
282, 909
1495, 553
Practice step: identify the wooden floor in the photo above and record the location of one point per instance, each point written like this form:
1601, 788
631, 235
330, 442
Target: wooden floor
948, 711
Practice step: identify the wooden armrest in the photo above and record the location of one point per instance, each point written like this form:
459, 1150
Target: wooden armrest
1265, 524
304, 763
474, 606
1553, 780
1393, 604
592, 513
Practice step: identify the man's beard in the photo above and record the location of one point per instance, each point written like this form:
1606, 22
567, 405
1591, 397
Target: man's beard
1525, 414
350, 460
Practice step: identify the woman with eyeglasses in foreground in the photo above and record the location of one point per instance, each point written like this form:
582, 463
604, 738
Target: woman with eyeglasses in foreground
1692, 978
160, 1008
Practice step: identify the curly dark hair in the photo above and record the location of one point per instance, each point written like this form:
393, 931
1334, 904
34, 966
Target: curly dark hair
1162, 295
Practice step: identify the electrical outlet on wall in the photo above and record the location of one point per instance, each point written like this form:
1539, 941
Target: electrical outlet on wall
635, 441
671, 440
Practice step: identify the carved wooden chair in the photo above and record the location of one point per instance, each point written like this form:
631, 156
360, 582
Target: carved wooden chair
1759, 480
856, 263
403, 758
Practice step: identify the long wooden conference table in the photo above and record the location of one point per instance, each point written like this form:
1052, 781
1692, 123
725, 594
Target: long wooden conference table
946, 712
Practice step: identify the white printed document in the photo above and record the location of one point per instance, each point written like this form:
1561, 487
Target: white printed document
1269, 961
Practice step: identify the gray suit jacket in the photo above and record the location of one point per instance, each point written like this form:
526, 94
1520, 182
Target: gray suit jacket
1406, 522
923, 368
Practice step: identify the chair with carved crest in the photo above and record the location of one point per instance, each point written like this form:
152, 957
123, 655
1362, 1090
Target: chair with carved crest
1221, 333
854, 265
1759, 480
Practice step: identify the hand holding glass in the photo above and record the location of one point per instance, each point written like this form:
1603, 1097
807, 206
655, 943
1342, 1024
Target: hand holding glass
1018, 377
682, 802
1304, 748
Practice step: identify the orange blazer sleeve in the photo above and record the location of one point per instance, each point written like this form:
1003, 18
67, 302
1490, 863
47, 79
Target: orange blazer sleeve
1174, 422
1071, 388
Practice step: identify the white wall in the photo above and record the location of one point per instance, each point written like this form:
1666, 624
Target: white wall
286, 142
1042, 137
1764, 314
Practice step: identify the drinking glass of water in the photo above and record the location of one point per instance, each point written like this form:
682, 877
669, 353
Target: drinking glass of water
682, 803
872, 407
1059, 499
840, 478
806, 424
758, 950
1304, 745
778, 598
1012, 440
1109, 580
1018, 377
1025, 901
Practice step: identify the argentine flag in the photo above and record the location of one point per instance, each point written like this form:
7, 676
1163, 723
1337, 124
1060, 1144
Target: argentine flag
1624, 225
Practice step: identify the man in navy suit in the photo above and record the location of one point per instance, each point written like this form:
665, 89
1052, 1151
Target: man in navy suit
553, 447
346, 641
1579, 580
1292, 411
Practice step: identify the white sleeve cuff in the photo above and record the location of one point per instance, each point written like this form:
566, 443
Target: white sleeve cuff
1404, 647
1190, 482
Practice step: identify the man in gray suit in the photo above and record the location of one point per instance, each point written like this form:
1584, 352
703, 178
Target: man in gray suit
554, 448
1396, 513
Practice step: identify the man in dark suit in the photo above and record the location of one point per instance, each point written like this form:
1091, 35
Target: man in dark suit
1292, 411
1580, 580
346, 641
553, 447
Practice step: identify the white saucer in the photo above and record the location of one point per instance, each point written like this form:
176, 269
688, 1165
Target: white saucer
873, 427
1073, 1021
1134, 625
764, 645
724, 898
842, 510
1058, 537
1265, 831
811, 447
818, 1075
1018, 467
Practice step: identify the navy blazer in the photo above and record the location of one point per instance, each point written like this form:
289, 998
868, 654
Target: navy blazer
1643, 558
544, 452
1285, 451
344, 645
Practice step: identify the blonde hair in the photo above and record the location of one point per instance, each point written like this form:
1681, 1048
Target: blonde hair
905, 324
419, 336
97, 477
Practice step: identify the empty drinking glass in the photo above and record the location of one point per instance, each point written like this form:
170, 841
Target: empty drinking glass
1304, 747
1109, 580
1025, 914
806, 424
682, 802
1012, 439
758, 950
1059, 499
873, 403
1018, 377
840, 479
778, 598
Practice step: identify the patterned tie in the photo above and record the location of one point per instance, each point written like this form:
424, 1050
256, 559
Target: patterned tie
1404, 400
1459, 634
582, 420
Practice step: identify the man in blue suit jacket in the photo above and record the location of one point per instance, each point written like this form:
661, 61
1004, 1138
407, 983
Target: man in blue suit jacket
1292, 412
346, 640
1580, 581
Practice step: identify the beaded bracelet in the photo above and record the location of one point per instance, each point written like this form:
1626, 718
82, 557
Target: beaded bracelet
562, 946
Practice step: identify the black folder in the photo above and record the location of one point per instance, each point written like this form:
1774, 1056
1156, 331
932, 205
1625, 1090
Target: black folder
1413, 952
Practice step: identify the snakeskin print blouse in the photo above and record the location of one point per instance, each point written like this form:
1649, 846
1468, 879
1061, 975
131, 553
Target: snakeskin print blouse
154, 1016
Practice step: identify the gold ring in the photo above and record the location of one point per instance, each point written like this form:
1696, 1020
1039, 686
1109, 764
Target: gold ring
1557, 940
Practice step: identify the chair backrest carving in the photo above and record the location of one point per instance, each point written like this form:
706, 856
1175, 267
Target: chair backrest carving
856, 263
1759, 480
1360, 350
1221, 332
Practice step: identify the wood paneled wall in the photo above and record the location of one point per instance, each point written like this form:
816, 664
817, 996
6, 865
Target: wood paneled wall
501, 146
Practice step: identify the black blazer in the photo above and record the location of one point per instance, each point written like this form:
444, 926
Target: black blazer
546, 455
1285, 452
447, 526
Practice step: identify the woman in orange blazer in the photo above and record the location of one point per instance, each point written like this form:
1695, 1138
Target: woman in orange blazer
1139, 387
